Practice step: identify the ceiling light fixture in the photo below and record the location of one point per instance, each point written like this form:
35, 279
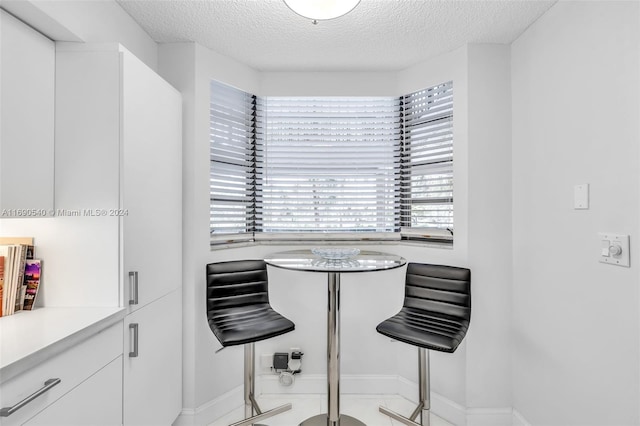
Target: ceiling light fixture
321, 10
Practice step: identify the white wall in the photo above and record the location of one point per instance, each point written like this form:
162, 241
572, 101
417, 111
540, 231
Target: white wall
575, 85
328, 84
366, 300
91, 21
27, 89
190, 67
489, 174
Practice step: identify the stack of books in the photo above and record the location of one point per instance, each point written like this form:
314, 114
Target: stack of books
20, 275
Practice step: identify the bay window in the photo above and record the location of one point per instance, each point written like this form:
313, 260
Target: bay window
331, 167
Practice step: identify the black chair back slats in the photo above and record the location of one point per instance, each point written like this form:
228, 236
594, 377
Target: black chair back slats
238, 308
229, 286
436, 310
439, 288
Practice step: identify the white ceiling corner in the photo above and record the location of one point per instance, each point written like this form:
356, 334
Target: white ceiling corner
378, 35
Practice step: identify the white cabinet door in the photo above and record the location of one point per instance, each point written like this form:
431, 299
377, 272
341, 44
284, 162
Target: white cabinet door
87, 179
27, 120
97, 402
152, 181
153, 378
72, 368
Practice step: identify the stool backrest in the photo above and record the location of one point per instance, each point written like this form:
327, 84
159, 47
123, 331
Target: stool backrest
439, 289
236, 283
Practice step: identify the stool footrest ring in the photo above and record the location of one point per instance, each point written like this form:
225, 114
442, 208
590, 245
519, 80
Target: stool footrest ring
416, 412
265, 415
255, 405
399, 417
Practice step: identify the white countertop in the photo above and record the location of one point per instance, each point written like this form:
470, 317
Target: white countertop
30, 337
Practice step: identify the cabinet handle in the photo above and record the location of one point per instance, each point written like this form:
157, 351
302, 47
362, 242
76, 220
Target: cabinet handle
134, 352
133, 288
7, 411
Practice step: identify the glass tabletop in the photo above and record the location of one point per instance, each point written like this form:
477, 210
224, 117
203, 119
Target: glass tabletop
305, 260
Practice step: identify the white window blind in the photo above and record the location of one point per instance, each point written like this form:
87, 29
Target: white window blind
301, 167
232, 172
328, 164
427, 172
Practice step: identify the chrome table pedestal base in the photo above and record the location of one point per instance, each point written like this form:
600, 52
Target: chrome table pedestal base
323, 420
333, 417
305, 260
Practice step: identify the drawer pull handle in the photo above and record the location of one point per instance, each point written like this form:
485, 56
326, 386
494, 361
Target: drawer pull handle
7, 411
133, 288
134, 352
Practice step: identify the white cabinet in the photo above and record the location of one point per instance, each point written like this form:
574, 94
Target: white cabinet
95, 363
27, 120
152, 249
97, 401
153, 363
118, 129
152, 183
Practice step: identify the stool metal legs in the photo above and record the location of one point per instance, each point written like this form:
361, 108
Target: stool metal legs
250, 406
252, 412
424, 401
424, 379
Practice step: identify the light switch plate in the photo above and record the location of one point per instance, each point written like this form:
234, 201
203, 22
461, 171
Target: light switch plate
607, 256
581, 196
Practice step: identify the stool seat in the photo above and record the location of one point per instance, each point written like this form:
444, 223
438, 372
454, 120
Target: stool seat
247, 324
426, 330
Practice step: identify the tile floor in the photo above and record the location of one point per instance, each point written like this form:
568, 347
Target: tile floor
362, 407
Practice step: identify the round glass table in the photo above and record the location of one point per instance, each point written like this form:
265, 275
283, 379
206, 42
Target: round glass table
305, 260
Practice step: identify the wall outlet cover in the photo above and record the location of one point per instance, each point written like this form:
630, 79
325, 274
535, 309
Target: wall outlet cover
281, 360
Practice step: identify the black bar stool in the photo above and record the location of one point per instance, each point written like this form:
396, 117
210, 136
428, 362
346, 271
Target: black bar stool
435, 315
239, 313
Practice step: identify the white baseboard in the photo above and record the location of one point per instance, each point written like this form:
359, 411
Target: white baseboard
186, 418
317, 384
353, 384
489, 417
455, 413
442, 407
212, 410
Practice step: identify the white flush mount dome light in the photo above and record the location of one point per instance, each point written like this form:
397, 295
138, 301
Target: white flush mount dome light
321, 10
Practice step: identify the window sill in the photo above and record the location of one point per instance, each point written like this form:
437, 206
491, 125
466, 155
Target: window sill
413, 242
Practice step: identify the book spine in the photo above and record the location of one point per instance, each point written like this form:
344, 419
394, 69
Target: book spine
1, 283
33, 274
22, 258
9, 293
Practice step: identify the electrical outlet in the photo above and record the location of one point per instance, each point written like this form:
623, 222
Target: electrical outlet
295, 359
280, 360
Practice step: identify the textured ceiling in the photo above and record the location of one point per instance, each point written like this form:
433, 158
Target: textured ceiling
378, 35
